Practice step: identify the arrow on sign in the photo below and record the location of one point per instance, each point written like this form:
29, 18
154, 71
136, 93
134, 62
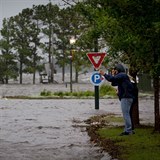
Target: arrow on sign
96, 58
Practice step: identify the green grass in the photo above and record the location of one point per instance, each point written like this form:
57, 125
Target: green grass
46, 93
144, 145
74, 94
113, 118
103, 91
107, 90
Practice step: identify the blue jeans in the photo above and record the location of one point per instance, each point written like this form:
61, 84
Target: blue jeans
126, 106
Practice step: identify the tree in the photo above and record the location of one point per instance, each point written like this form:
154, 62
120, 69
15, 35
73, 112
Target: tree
75, 25
22, 31
62, 39
78, 26
7, 60
132, 29
48, 15
34, 43
23, 37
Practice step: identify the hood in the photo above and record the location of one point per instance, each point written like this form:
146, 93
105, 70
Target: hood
119, 68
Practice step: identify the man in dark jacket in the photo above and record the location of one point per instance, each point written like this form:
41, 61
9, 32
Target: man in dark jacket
125, 94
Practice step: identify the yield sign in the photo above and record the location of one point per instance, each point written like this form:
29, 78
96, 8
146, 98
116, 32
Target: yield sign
96, 58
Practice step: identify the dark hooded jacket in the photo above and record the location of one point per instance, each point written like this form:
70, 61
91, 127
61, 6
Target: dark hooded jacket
125, 87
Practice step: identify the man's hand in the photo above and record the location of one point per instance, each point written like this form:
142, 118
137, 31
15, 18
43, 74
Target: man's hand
101, 72
114, 72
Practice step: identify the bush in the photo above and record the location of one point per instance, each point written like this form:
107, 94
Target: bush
107, 90
46, 93
88, 93
104, 90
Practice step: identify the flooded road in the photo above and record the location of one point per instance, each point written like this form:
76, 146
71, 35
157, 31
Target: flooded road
46, 130
53, 129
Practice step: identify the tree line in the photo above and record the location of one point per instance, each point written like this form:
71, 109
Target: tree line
39, 32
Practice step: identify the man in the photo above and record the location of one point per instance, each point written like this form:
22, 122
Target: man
125, 94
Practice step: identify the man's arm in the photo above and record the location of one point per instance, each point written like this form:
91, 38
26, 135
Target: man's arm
108, 77
115, 79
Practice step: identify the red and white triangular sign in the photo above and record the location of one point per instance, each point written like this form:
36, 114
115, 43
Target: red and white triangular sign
96, 58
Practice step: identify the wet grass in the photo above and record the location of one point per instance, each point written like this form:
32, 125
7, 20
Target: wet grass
112, 118
105, 90
144, 145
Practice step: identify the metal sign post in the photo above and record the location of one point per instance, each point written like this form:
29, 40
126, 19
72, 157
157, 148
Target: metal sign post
96, 59
96, 79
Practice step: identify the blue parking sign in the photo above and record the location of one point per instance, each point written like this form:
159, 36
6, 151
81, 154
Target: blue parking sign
96, 79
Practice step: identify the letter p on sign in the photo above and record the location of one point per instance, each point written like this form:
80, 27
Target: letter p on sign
96, 79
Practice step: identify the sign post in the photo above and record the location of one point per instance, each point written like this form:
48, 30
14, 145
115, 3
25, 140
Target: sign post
96, 58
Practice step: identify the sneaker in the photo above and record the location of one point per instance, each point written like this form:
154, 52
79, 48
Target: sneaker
125, 133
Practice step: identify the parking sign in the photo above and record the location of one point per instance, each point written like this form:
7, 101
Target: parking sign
96, 79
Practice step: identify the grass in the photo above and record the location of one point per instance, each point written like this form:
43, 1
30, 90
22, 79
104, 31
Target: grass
107, 90
103, 91
112, 118
144, 145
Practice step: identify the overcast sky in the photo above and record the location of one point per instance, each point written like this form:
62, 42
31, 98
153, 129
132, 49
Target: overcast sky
10, 8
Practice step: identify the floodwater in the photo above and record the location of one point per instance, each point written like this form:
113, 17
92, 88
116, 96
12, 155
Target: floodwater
53, 129
46, 130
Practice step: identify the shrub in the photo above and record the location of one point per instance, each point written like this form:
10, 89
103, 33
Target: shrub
61, 94
107, 90
46, 93
104, 90
88, 93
